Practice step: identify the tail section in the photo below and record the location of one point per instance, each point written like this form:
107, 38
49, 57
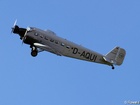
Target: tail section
116, 56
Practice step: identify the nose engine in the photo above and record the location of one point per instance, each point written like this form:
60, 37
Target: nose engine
20, 31
15, 29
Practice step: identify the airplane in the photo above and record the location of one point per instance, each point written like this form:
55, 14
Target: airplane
46, 40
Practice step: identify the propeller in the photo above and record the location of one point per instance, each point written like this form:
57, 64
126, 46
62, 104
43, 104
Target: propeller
22, 32
15, 28
15, 22
24, 37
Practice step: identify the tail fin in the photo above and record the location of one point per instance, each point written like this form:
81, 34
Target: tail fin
116, 56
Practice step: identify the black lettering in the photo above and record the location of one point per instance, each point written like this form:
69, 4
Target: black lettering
87, 55
95, 58
75, 51
92, 57
83, 54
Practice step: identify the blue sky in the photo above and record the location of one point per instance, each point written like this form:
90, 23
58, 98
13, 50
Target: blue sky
52, 80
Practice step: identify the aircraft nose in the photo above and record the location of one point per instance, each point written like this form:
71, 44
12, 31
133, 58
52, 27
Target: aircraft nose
15, 29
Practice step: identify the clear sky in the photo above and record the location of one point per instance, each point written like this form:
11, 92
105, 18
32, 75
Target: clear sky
52, 80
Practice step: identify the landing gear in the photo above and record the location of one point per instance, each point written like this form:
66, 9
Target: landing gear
113, 67
34, 52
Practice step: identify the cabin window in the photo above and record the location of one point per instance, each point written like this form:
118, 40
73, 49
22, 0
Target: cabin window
46, 38
52, 40
36, 34
62, 44
56, 42
68, 47
41, 36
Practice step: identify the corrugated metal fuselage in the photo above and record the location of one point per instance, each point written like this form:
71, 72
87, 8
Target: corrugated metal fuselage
62, 46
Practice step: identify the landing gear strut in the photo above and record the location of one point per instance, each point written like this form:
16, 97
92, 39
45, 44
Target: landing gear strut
113, 67
34, 51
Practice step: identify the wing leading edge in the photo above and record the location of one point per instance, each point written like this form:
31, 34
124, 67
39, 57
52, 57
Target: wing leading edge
47, 48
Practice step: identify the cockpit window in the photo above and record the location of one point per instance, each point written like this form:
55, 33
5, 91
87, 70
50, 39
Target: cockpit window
50, 32
31, 28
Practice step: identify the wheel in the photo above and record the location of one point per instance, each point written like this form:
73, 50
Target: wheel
34, 53
113, 67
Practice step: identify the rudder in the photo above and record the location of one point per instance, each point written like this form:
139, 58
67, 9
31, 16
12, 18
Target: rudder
116, 56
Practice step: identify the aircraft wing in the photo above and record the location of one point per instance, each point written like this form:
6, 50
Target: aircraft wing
43, 47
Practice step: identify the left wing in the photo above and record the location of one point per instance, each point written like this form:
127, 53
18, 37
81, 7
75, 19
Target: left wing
47, 48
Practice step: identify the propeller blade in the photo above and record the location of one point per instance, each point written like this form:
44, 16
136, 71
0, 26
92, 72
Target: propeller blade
24, 37
15, 23
14, 26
